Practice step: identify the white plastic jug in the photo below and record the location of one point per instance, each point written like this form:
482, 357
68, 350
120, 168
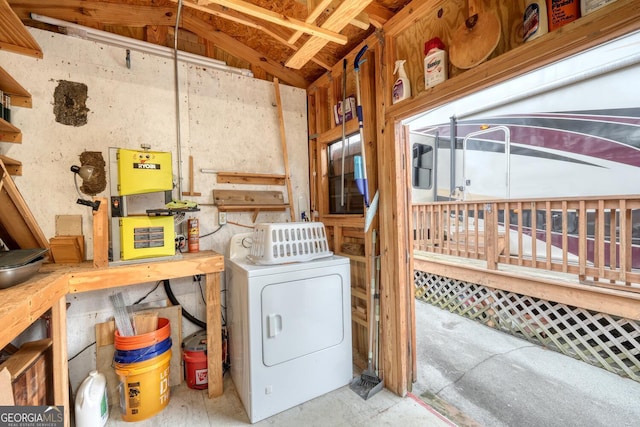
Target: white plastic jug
92, 407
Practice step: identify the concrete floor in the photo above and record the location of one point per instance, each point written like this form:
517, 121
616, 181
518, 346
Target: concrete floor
498, 380
474, 375
342, 407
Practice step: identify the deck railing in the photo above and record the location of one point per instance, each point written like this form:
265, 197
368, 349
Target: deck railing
594, 238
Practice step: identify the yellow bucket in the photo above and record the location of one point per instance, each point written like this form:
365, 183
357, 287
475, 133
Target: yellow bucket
144, 387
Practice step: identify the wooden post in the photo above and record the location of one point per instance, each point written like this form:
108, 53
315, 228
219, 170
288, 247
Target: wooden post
214, 335
491, 234
191, 192
101, 234
60, 364
283, 140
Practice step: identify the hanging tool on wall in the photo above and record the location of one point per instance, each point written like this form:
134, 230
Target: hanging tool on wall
344, 127
360, 162
283, 140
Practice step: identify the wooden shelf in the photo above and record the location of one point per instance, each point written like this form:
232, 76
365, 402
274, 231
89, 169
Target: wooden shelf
18, 227
356, 258
249, 201
19, 95
13, 167
250, 178
14, 37
9, 133
19, 98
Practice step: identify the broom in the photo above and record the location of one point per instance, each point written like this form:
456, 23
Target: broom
368, 384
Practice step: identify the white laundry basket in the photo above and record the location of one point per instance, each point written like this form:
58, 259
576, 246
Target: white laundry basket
279, 243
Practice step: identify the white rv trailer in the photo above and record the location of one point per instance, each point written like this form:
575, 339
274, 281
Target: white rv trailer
570, 129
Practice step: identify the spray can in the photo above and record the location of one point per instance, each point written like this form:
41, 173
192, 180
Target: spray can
92, 406
193, 239
435, 62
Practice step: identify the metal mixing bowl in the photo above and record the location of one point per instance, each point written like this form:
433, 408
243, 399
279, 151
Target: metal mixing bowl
15, 275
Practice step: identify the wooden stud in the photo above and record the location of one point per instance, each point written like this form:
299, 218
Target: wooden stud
191, 192
101, 234
283, 141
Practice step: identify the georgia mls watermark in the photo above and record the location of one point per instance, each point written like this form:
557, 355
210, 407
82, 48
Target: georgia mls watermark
31, 416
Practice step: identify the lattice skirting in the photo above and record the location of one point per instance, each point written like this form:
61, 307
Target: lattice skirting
606, 341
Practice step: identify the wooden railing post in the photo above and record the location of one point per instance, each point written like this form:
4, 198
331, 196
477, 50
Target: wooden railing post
491, 235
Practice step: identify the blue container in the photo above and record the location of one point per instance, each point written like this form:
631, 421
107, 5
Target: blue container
142, 354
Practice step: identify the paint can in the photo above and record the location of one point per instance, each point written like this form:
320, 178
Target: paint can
561, 12
193, 237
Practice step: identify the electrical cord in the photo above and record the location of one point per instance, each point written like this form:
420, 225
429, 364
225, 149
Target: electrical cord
174, 301
81, 351
213, 232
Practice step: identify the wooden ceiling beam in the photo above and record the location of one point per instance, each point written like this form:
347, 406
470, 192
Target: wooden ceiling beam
240, 50
378, 14
339, 19
273, 17
96, 14
316, 9
278, 33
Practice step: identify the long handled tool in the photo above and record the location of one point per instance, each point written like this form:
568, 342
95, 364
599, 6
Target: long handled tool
369, 383
344, 127
360, 162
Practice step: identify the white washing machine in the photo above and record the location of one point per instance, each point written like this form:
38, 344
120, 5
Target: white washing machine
289, 329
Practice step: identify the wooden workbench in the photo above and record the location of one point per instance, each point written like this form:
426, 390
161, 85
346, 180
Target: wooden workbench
25, 303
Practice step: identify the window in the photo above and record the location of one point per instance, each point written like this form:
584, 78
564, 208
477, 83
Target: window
344, 197
422, 166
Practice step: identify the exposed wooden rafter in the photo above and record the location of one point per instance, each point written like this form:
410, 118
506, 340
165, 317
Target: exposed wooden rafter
314, 13
229, 44
339, 19
270, 16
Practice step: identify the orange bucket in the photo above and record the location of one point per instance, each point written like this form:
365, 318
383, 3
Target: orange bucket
137, 342
144, 387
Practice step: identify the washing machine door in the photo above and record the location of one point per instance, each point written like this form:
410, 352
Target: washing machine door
300, 317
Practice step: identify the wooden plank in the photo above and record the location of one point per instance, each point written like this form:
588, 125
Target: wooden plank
214, 337
85, 278
101, 234
25, 356
250, 178
191, 192
318, 8
271, 16
14, 37
600, 299
60, 354
18, 227
242, 51
582, 240
19, 95
339, 19
67, 249
9, 133
283, 143
14, 167
248, 198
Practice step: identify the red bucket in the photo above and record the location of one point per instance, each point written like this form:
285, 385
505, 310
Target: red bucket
194, 354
